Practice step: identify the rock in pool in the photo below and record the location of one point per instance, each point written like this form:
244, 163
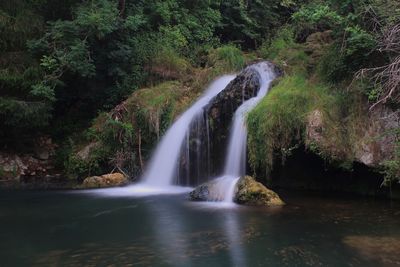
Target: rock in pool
250, 192
247, 192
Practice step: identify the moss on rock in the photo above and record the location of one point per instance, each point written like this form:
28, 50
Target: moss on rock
106, 180
251, 192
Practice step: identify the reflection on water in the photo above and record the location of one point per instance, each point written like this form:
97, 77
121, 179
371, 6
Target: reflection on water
63, 229
168, 226
236, 251
136, 190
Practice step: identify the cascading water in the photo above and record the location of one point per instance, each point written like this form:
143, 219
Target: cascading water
164, 163
235, 164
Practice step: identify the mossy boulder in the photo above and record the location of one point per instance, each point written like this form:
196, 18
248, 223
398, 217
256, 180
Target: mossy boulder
106, 180
251, 192
248, 192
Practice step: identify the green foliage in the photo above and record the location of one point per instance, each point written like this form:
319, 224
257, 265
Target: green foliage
77, 168
99, 18
277, 125
282, 41
43, 91
278, 121
87, 56
227, 58
248, 23
341, 62
316, 17
284, 51
168, 64
16, 116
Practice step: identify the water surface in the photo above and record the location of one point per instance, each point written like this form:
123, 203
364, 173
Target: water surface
80, 229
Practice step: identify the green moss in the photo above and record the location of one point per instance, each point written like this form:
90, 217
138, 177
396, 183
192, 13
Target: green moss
278, 123
277, 120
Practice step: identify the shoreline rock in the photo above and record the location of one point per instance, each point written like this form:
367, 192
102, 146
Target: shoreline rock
253, 193
106, 180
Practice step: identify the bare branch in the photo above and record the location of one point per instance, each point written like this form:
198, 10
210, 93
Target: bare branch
386, 77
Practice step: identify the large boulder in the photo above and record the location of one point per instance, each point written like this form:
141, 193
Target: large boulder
251, 192
106, 180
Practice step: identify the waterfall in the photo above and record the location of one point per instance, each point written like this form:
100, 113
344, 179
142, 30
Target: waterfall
184, 152
235, 164
164, 163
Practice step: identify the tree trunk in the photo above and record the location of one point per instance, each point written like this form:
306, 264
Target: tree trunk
121, 7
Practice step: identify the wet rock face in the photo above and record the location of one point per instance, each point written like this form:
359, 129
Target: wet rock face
206, 147
16, 168
250, 192
376, 143
106, 180
243, 87
221, 110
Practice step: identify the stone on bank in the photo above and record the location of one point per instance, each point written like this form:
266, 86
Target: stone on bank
106, 180
253, 193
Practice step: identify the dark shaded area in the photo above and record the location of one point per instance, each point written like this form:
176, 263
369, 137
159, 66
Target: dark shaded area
304, 170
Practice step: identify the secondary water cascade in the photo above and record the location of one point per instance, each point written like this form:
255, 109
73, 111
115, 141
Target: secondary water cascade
235, 163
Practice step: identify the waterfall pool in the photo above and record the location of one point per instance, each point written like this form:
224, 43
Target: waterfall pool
63, 228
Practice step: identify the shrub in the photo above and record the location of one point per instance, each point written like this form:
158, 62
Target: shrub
283, 40
228, 58
315, 17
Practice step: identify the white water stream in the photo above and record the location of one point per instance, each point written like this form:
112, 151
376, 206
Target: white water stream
235, 164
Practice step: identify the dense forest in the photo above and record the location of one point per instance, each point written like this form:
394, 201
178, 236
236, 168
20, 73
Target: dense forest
99, 81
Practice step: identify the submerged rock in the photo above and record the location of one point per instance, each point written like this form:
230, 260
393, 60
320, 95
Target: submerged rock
381, 249
106, 180
201, 193
251, 192
210, 191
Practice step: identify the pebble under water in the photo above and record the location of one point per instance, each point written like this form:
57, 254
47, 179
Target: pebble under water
79, 229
